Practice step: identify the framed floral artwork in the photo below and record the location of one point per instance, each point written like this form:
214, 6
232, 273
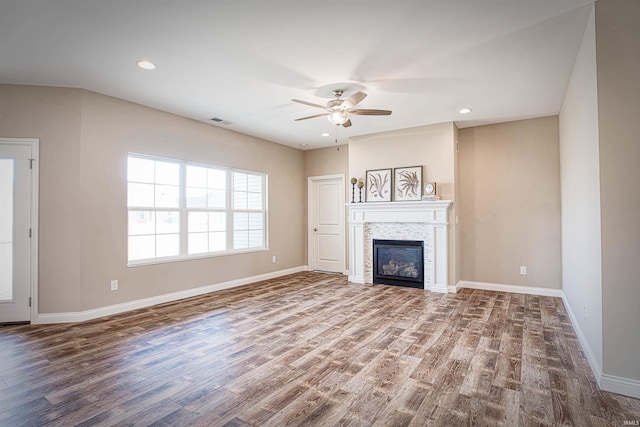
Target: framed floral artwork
378, 185
407, 183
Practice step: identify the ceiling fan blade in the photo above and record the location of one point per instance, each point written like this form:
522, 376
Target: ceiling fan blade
353, 100
347, 123
311, 117
370, 112
309, 104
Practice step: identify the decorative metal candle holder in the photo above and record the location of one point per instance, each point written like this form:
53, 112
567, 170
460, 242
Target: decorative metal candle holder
353, 189
360, 185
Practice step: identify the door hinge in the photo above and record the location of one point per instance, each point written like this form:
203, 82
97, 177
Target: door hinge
30, 232
29, 301
31, 163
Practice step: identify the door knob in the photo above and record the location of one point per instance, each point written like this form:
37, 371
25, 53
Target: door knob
315, 229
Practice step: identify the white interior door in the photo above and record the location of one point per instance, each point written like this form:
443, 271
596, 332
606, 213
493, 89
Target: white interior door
16, 193
326, 223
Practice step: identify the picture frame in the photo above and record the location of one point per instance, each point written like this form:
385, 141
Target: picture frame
407, 183
379, 185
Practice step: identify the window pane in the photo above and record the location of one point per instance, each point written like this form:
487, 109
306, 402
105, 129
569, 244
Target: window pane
167, 222
141, 222
255, 221
167, 196
240, 221
217, 199
140, 170
167, 173
198, 222
217, 242
240, 239
142, 247
217, 179
254, 201
217, 221
140, 195
255, 239
254, 184
239, 181
197, 243
7, 167
167, 245
239, 200
196, 197
196, 176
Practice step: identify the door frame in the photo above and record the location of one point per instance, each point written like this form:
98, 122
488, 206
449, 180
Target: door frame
33, 216
310, 210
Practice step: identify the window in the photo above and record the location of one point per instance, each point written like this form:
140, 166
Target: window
248, 220
183, 210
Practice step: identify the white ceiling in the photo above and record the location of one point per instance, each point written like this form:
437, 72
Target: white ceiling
243, 61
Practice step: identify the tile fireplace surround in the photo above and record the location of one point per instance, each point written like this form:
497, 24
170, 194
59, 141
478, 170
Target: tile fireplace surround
423, 220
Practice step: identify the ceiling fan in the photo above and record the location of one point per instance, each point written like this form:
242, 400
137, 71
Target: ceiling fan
338, 110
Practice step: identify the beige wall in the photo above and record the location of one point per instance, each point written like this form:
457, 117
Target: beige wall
85, 138
455, 222
618, 70
53, 115
327, 161
428, 146
580, 184
510, 203
432, 147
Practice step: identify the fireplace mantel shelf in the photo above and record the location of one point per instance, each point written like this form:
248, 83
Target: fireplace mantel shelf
430, 216
432, 211
401, 205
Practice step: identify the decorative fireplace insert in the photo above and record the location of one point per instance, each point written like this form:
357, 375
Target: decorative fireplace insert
398, 262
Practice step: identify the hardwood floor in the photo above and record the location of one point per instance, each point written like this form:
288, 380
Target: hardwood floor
310, 349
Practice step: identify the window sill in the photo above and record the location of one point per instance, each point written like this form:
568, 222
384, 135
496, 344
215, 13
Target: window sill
194, 257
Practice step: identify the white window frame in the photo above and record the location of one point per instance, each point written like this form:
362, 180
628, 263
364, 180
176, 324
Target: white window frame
183, 211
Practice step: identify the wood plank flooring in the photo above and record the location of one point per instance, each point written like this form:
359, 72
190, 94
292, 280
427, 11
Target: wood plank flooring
310, 349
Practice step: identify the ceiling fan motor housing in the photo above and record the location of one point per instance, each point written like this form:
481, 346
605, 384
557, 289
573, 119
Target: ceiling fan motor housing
338, 110
334, 104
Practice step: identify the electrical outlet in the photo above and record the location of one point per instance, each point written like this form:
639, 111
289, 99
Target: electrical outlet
274, 259
523, 270
114, 285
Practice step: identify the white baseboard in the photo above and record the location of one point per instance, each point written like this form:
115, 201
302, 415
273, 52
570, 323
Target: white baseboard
516, 289
81, 316
442, 289
619, 385
591, 358
356, 279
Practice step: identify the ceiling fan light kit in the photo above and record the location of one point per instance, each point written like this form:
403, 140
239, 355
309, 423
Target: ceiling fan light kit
338, 110
338, 117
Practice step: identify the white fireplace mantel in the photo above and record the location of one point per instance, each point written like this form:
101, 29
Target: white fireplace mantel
420, 220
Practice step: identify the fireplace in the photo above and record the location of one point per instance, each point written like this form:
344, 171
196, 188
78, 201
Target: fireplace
398, 262
426, 221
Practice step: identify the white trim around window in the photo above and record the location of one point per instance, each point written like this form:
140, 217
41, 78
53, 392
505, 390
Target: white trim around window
181, 210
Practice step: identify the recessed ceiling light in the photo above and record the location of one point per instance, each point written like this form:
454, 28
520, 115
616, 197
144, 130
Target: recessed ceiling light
325, 134
146, 65
465, 110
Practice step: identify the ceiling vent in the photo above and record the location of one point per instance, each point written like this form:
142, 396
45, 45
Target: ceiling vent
221, 121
